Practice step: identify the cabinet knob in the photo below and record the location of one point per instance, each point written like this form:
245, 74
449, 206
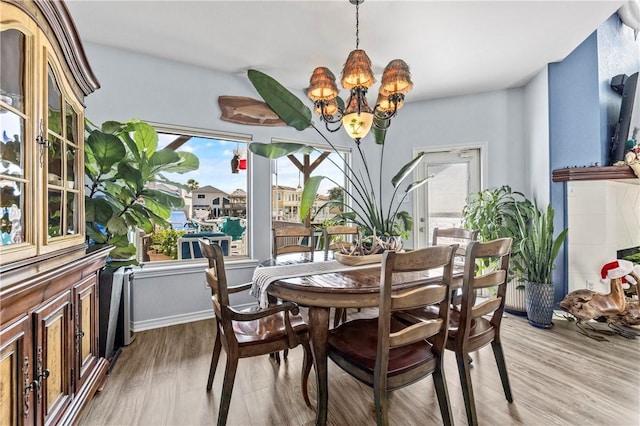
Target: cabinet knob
45, 374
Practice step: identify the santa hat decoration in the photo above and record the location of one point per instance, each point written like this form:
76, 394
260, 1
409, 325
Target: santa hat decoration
617, 269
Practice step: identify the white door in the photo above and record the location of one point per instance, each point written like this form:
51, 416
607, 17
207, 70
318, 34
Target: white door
454, 175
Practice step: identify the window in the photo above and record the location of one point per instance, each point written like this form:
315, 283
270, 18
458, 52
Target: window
455, 175
288, 182
215, 197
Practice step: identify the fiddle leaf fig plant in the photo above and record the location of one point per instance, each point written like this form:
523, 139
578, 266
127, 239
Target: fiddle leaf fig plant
369, 212
121, 159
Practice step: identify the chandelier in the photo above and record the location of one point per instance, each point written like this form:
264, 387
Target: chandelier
357, 116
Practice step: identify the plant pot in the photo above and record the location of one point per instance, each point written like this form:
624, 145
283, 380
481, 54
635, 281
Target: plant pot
539, 298
111, 284
515, 299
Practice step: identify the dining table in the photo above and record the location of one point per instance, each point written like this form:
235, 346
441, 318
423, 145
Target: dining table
322, 286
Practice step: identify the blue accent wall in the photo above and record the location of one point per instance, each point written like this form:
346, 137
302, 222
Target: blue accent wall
574, 131
582, 112
618, 53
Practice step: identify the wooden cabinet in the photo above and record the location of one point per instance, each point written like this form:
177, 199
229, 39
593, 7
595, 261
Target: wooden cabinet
49, 356
85, 338
15, 373
43, 81
53, 330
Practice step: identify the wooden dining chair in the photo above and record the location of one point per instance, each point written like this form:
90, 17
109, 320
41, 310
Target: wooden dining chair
462, 237
474, 326
459, 236
294, 239
386, 354
329, 232
249, 333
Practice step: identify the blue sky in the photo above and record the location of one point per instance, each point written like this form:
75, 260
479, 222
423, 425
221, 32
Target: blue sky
215, 166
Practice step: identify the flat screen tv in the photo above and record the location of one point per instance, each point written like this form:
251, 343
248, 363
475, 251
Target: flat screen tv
628, 126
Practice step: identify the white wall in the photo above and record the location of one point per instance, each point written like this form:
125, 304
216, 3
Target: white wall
536, 136
156, 90
493, 118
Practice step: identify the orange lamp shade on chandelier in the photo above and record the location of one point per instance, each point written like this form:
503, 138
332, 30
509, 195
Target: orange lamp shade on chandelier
357, 117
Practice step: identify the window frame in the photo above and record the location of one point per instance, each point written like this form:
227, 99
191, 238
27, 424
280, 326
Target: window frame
245, 138
346, 150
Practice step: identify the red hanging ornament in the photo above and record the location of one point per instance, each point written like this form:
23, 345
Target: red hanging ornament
242, 165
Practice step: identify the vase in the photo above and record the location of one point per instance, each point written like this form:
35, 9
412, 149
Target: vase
539, 301
515, 298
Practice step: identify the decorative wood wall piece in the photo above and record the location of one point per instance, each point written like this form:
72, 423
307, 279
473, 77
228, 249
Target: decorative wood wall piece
243, 110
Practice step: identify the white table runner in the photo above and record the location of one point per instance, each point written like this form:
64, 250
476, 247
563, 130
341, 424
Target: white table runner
264, 276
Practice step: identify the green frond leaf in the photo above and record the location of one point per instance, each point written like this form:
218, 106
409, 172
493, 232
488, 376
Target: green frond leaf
284, 103
406, 170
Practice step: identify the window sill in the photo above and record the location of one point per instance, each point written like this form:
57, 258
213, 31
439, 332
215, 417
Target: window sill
179, 267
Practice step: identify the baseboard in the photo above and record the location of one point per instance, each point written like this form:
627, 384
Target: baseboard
137, 326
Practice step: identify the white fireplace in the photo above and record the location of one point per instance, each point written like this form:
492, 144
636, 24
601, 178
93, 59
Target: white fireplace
603, 217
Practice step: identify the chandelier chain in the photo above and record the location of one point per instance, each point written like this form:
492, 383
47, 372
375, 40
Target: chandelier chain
357, 24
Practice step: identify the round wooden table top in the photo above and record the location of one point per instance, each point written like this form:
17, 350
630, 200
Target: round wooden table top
356, 288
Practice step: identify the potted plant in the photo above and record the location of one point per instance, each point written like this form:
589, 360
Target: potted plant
374, 217
121, 160
494, 213
538, 251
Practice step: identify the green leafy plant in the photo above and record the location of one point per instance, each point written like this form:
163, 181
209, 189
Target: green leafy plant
369, 212
538, 247
165, 241
121, 159
495, 213
635, 258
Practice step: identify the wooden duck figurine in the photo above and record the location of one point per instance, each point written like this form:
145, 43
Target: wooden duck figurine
586, 305
630, 316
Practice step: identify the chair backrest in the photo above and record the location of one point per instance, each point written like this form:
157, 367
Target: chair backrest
499, 252
189, 247
460, 236
420, 262
352, 232
217, 280
295, 239
216, 275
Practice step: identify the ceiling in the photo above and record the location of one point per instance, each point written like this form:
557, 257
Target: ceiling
452, 47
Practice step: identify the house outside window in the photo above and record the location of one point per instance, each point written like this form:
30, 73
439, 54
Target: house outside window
215, 198
287, 185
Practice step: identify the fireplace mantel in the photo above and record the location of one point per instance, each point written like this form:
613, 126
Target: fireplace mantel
592, 173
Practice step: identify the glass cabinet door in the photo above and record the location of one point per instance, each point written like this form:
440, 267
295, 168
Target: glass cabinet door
63, 192
14, 181
41, 143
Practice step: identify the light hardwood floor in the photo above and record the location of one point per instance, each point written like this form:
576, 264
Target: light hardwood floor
558, 377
